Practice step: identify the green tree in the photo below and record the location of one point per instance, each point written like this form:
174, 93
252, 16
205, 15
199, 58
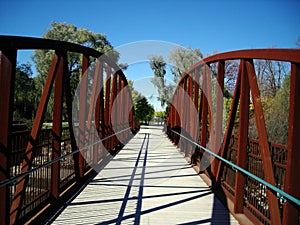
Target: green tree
144, 111
270, 76
182, 59
134, 93
25, 94
161, 116
277, 116
165, 91
69, 33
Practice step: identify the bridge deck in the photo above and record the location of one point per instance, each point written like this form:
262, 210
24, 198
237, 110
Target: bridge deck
148, 182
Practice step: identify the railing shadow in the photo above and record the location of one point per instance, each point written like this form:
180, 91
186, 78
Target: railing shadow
126, 194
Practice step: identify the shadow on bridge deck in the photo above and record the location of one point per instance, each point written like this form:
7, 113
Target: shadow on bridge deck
148, 182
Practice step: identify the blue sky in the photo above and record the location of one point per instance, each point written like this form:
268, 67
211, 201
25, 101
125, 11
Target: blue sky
207, 25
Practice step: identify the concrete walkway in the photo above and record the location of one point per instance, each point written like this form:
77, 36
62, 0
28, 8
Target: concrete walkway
148, 182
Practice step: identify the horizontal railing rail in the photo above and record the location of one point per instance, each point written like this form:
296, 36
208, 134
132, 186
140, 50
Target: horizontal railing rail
237, 168
13, 179
197, 110
41, 165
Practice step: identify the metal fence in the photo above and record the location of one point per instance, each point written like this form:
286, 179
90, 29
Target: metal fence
259, 177
38, 167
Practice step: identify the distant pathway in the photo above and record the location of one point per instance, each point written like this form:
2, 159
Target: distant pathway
148, 182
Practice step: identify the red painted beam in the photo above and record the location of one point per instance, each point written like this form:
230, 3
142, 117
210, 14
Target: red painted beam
292, 181
28, 157
7, 80
93, 114
230, 125
113, 96
243, 140
263, 143
82, 115
57, 125
107, 108
70, 122
219, 115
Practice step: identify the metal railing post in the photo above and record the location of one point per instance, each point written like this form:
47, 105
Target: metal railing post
243, 140
57, 124
7, 80
292, 184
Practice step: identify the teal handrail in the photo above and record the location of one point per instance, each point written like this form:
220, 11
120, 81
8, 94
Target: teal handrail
272, 187
14, 178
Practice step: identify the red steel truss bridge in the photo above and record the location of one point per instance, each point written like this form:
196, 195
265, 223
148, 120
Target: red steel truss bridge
58, 174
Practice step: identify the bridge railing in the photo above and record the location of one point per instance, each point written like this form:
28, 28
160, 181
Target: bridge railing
259, 177
39, 166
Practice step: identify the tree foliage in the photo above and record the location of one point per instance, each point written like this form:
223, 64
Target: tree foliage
270, 75
25, 94
69, 33
182, 59
278, 113
160, 116
134, 93
231, 73
158, 66
144, 111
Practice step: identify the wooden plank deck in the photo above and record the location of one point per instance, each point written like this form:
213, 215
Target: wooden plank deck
148, 182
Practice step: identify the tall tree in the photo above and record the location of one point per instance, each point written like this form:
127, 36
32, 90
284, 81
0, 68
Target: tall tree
270, 75
144, 111
182, 59
158, 66
69, 33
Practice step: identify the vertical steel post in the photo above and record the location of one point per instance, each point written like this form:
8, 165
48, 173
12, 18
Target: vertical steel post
179, 109
119, 111
122, 113
100, 111
230, 124
127, 110
195, 154
131, 116
175, 116
93, 114
196, 96
107, 108
82, 114
16, 205
69, 113
263, 143
242, 141
182, 114
210, 126
112, 99
99, 69
57, 125
292, 181
191, 120
204, 107
219, 115
200, 115
7, 80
